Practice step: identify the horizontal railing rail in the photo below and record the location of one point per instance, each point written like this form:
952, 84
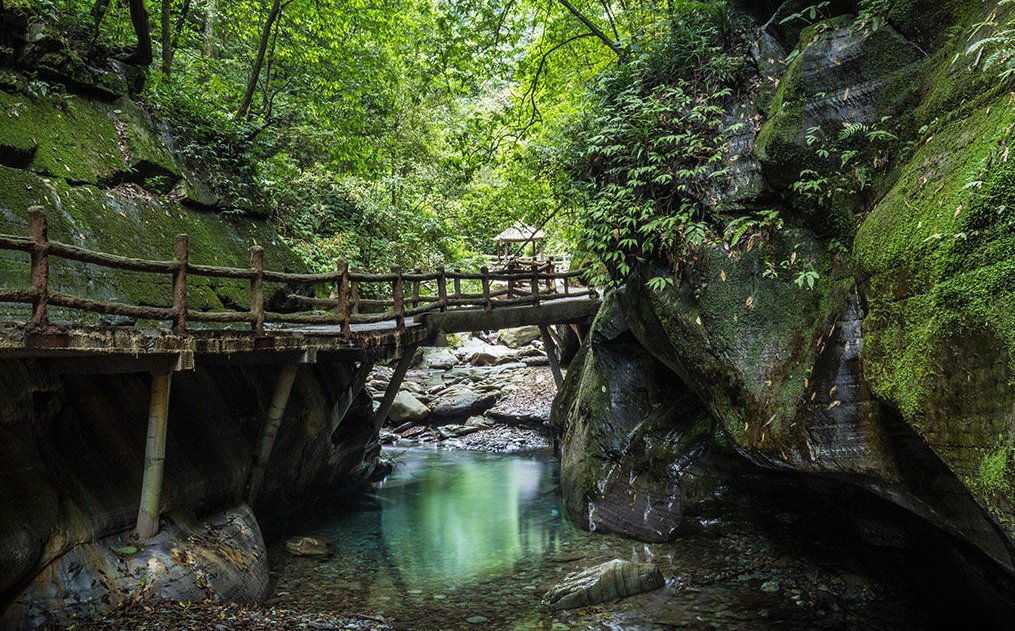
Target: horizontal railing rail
412, 293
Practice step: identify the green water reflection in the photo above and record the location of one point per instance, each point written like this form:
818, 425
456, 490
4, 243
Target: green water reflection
450, 517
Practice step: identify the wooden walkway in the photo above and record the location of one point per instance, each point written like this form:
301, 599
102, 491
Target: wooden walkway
360, 316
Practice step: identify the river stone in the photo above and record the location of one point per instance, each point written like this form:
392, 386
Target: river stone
429, 357
407, 408
516, 338
308, 547
460, 401
455, 431
603, 583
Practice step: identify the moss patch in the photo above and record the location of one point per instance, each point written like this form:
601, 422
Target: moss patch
74, 139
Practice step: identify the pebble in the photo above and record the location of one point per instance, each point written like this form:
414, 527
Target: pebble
477, 619
770, 586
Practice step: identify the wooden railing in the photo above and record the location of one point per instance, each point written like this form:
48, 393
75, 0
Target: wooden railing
412, 293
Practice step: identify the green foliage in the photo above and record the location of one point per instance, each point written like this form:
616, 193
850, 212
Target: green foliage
851, 159
808, 15
643, 155
995, 51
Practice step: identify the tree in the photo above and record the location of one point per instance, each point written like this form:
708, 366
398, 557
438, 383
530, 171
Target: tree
139, 21
243, 111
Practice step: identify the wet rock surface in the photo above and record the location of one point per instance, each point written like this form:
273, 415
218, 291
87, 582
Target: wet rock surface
603, 583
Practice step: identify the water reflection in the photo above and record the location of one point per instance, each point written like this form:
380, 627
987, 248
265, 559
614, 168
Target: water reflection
448, 518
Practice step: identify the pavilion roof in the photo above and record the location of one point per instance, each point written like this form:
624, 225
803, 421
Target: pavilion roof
520, 233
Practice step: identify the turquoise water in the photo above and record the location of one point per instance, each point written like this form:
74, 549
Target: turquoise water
449, 518
465, 540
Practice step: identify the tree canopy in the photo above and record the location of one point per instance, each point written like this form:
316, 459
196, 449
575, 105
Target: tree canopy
414, 131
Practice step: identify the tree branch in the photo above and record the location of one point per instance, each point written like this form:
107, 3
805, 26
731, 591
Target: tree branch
612, 45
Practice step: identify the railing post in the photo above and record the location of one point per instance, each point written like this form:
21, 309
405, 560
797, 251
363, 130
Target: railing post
567, 283
551, 282
458, 283
415, 289
442, 288
354, 297
180, 284
39, 230
343, 296
535, 284
511, 279
398, 298
487, 302
257, 288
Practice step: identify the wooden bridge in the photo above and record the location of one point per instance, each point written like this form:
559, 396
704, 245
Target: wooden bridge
344, 315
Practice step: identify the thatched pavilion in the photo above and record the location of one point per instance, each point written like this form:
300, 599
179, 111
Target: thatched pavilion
520, 233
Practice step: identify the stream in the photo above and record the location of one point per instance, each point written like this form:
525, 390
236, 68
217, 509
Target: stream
467, 540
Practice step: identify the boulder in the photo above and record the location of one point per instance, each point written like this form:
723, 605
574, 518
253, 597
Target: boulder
516, 338
455, 431
460, 401
603, 583
428, 357
407, 408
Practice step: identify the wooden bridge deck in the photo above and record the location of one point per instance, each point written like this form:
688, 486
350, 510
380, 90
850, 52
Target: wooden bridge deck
413, 309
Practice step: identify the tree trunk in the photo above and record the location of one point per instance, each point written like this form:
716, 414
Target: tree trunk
209, 28
594, 29
167, 37
255, 71
139, 20
99, 10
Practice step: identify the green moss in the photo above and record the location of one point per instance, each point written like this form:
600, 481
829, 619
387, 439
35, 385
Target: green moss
74, 139
136, 226
146, 150
941, 253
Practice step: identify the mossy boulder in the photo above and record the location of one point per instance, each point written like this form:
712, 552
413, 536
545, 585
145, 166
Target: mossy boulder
624, 419
939, 251
838, 76
130, 222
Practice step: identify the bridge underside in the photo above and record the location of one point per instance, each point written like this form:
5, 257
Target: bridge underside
572, 311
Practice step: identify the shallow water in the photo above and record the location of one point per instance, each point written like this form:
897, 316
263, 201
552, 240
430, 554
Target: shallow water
462, 540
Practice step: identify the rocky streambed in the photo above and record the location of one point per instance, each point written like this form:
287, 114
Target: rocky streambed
485, 392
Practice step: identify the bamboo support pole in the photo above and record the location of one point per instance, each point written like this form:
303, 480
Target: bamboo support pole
551, 356
269, 431
415, 289
399, 298
180, 284
257, 289
39, 229
155, 458
397, 376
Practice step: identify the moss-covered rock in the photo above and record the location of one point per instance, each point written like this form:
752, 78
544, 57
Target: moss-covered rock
130, 222
939, 252
838, 76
